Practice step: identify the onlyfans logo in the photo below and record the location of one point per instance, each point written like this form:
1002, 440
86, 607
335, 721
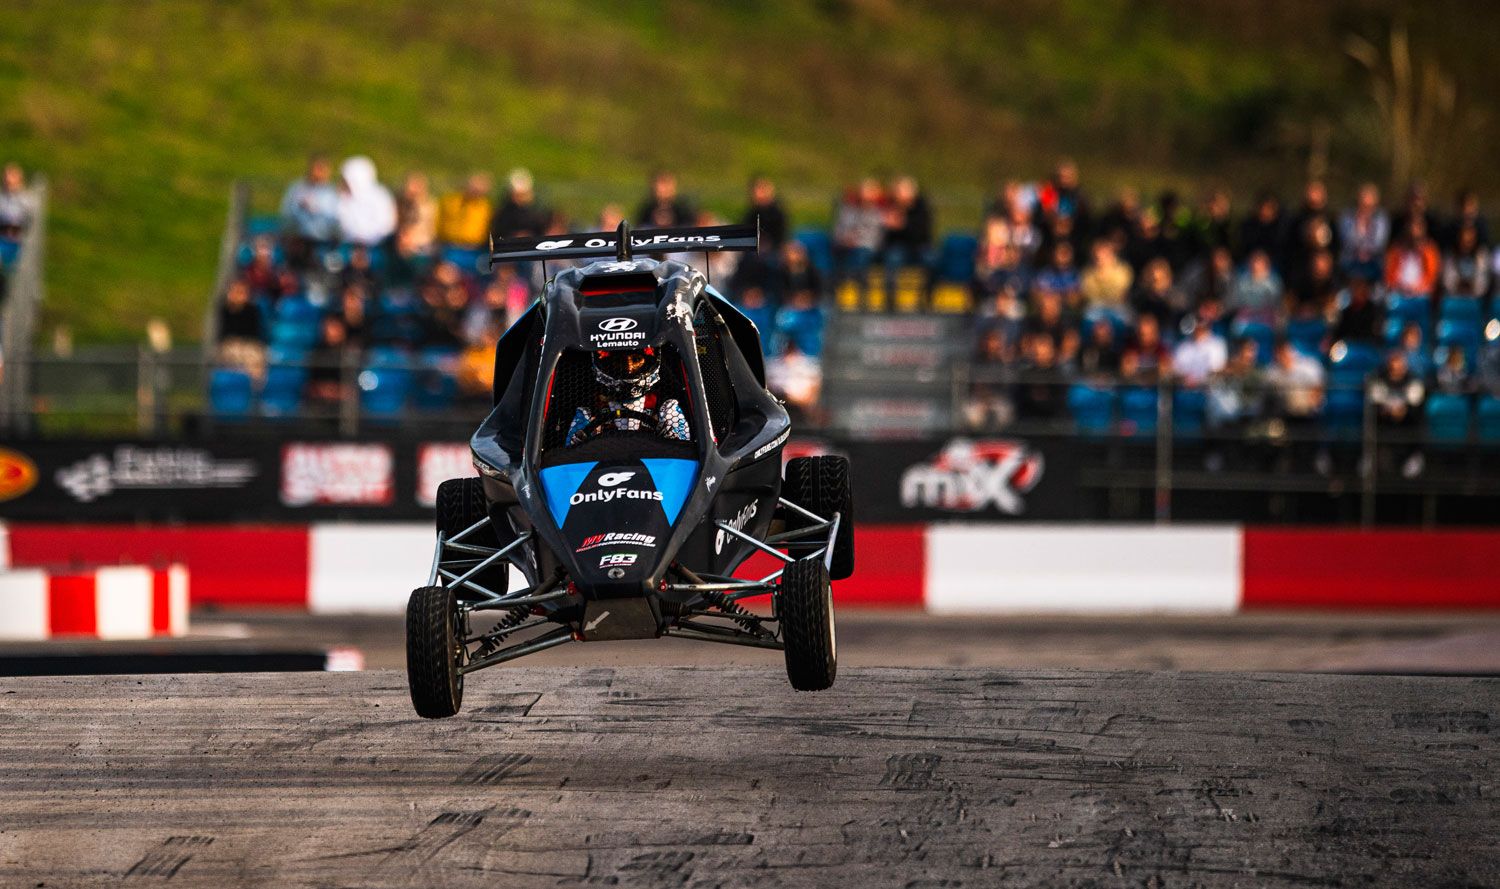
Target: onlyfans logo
618, 494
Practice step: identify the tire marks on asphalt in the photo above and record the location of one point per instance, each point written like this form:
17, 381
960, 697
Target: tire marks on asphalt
168, 858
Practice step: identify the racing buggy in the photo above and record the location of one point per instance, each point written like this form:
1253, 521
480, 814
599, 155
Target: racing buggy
630, 467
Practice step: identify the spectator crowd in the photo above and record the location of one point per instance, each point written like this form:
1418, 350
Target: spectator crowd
1262, 312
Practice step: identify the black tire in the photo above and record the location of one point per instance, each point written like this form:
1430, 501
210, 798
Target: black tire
460, 503
821, 485
804, 606
433, 652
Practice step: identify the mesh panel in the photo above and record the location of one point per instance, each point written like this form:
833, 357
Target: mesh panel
574, 387
715, 370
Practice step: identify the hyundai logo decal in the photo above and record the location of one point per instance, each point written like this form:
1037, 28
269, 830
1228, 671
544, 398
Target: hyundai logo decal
617, 325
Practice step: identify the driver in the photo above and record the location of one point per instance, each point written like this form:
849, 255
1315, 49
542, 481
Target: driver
628, 399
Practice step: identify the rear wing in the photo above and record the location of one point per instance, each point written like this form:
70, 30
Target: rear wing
622, 243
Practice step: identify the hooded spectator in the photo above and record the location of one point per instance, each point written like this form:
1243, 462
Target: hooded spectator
367, 212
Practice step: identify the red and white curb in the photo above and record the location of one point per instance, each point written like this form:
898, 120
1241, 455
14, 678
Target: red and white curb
942, 568
113, 602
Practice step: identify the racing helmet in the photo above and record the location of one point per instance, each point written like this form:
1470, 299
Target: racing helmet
628, 374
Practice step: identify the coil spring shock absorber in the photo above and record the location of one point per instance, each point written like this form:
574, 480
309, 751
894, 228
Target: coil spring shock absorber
512, 619
735, 612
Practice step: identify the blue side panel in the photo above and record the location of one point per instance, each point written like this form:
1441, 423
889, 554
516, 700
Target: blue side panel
560, 483
674, 479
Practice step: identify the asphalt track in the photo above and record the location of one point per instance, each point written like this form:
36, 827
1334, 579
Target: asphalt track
652, 776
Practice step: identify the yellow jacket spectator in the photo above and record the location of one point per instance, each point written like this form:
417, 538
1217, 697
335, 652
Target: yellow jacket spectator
464, 216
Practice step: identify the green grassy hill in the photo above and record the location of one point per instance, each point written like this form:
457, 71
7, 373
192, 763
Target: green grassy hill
142, 114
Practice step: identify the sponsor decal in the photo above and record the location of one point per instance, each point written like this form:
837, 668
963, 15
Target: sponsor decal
607, 337
337, 475
613, 560
614, 574
644, 241
616, 538
553, 245
972, 476
17, 474
136, 468
775, 443
603, 496
436, 463
710, 481
610, 479
738, 523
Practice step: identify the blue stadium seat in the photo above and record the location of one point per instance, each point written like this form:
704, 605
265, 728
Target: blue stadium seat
1138, 411
956, 258
1344, 412
281, 396
9, 250
1460, 308
819, 248
1393, 328
1263, 335
1412, 308
396, 318
1189, 407
466, 258
1488, 419
435, 387
384, 391
230, 393
1307, 334
264, 224
1460, 334
1093, 408
1448, 417
1349, 363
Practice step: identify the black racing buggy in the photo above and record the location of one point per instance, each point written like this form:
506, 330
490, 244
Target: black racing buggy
631, 464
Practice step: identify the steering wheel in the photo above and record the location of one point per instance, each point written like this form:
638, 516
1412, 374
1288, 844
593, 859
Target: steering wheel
602, 419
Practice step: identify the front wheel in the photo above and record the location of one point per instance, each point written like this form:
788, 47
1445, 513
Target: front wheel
804, 607
434, 652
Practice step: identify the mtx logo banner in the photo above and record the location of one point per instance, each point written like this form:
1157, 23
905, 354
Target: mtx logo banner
970, 476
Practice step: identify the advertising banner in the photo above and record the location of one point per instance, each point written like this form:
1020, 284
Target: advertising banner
396, 479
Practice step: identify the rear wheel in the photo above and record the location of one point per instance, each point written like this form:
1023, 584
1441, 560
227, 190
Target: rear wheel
821, 485
804, 607
460, 503
434, 652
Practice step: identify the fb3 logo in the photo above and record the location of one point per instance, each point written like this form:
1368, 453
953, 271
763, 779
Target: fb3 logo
617, 560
